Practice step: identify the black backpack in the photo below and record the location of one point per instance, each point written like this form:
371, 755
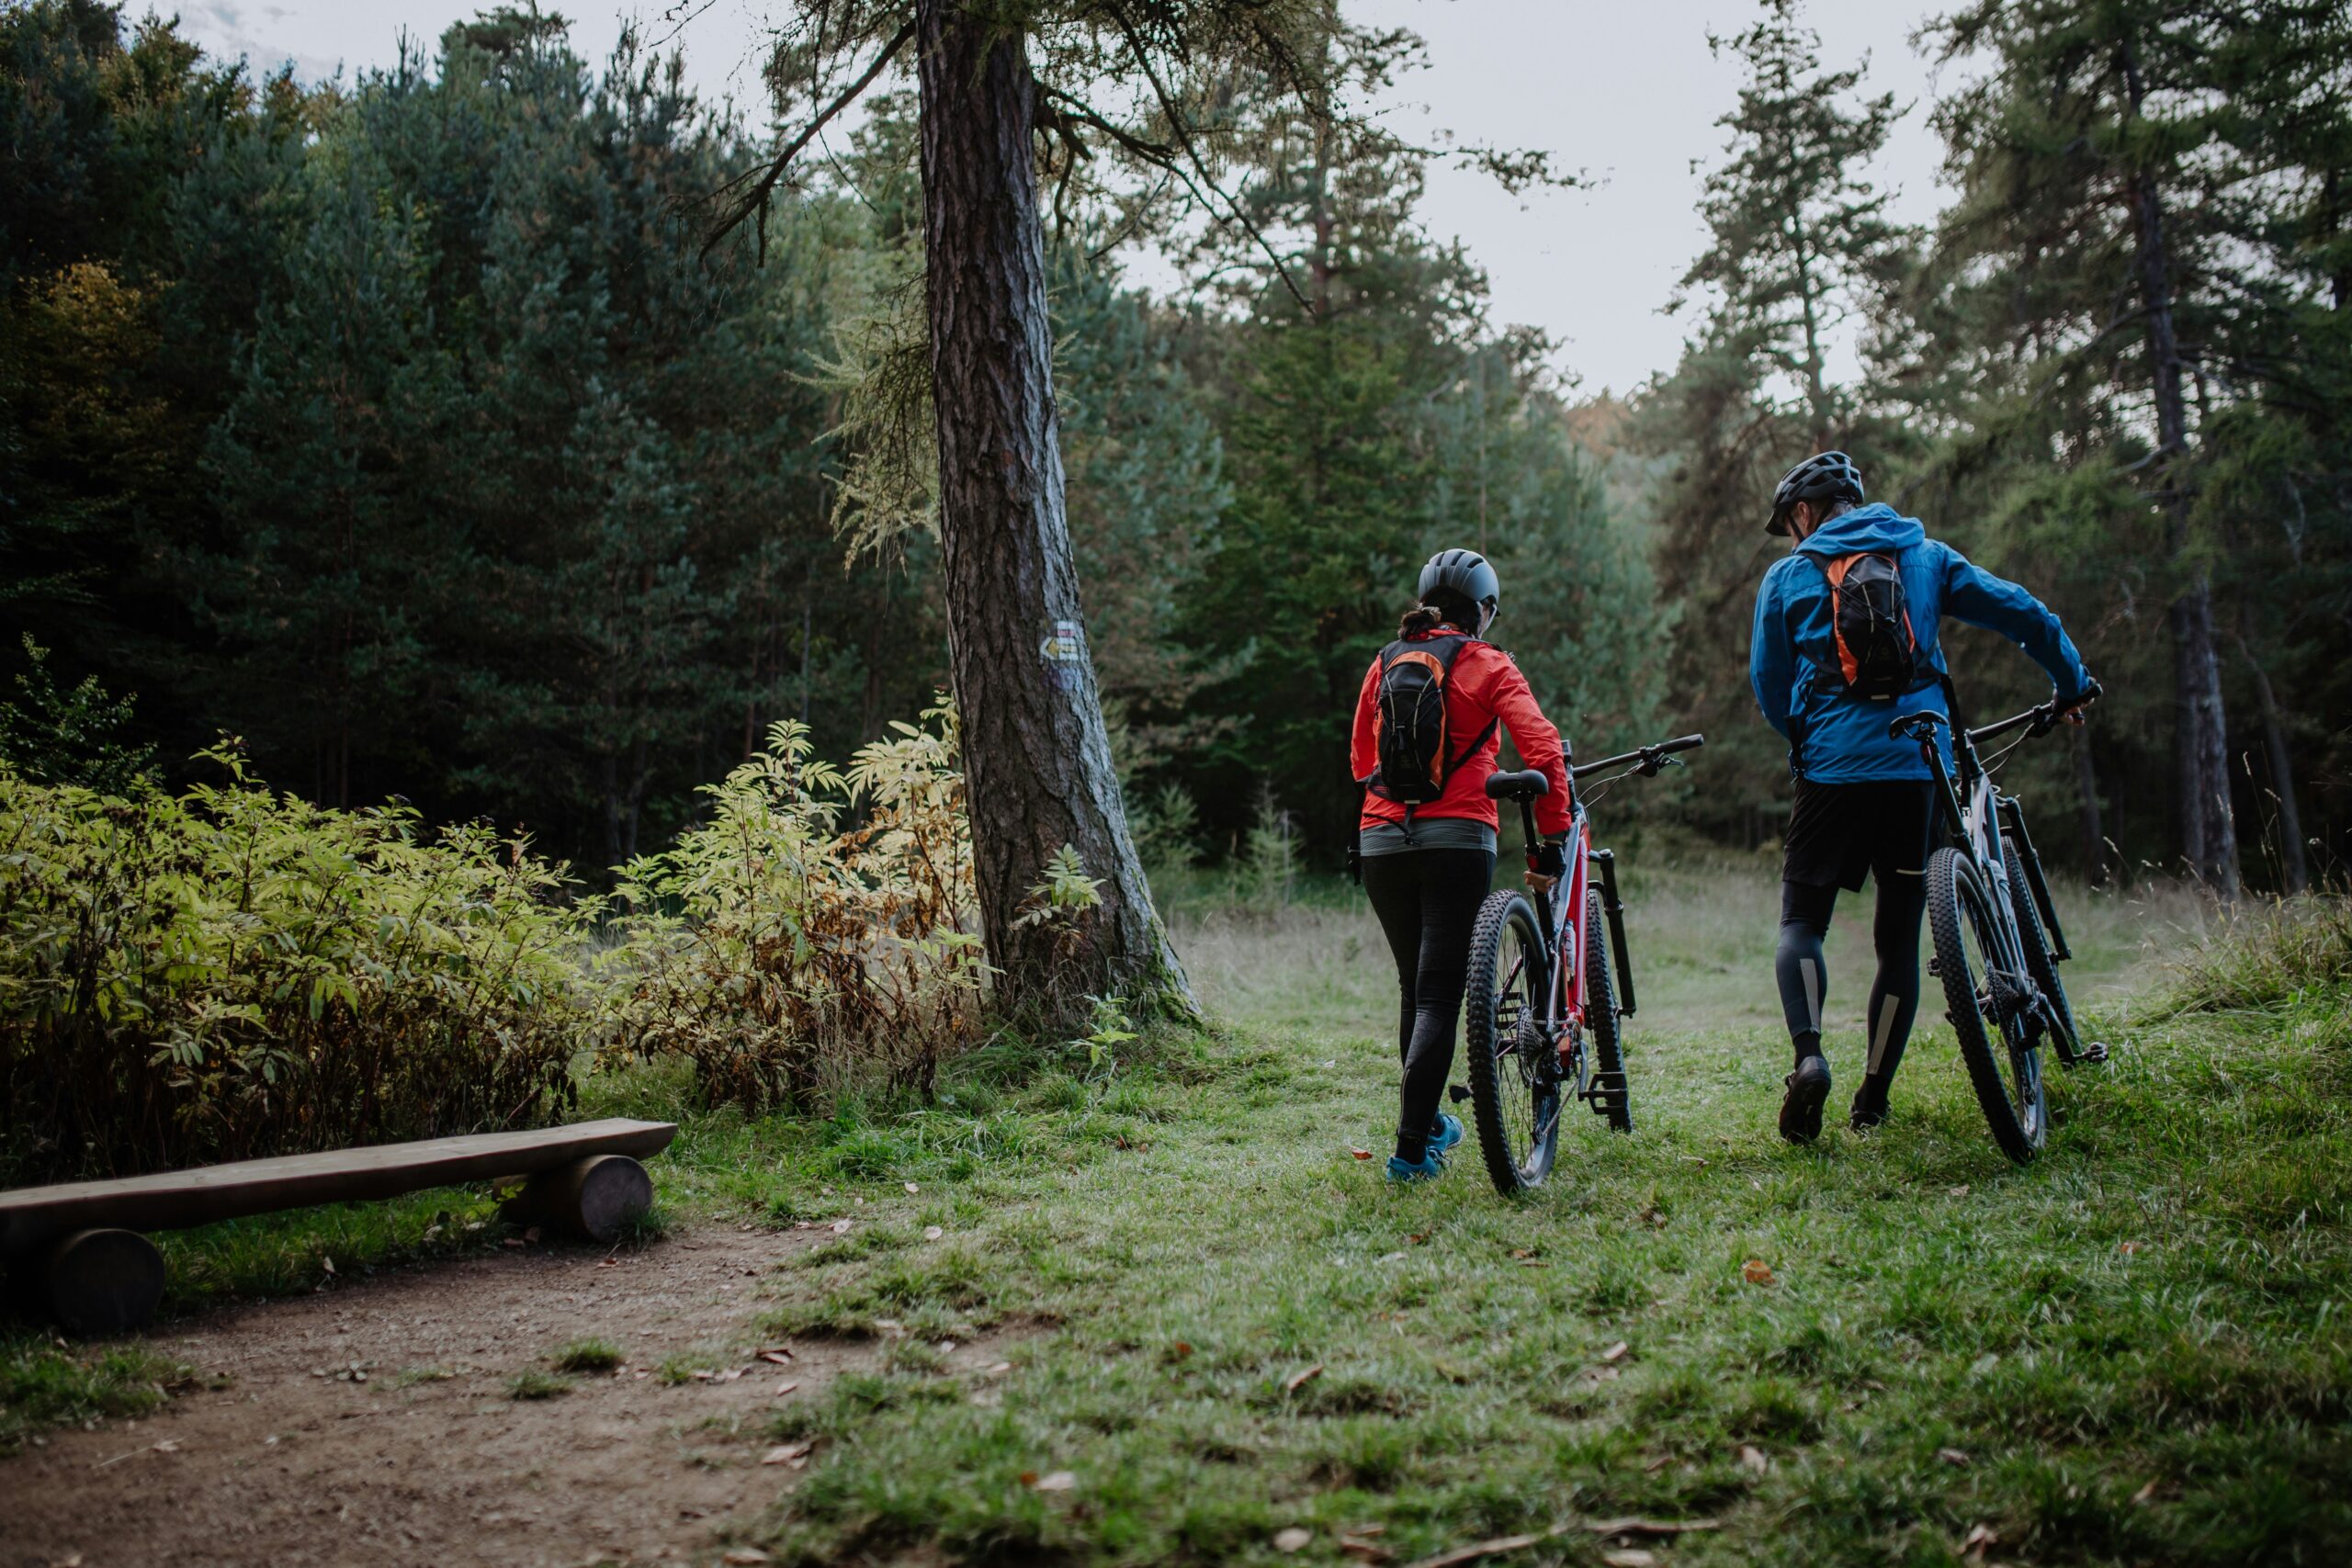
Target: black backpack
1410, 721
1878, 655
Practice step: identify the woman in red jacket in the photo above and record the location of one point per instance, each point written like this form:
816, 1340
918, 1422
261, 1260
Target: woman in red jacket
1426, 866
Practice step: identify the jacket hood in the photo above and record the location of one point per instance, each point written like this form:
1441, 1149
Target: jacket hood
1877, 527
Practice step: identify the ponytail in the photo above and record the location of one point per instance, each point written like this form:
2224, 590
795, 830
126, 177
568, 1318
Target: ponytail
1435, 611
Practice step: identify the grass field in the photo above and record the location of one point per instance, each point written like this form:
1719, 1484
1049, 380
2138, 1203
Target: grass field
1228, 1326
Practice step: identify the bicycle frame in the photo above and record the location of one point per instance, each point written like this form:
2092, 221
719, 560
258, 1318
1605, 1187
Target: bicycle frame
1975, 824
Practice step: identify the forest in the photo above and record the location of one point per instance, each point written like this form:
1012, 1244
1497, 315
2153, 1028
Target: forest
412, 430
818, 636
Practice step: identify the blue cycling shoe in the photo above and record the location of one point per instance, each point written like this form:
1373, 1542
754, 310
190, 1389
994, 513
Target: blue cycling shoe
1447, 1133
1432, 1166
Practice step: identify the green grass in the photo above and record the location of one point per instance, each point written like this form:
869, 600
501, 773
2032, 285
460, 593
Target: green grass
588, 1355
532, 1383
2135, 1351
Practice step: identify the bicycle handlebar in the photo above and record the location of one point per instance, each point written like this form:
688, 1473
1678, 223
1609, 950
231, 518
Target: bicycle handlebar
2042, 718
1646, 759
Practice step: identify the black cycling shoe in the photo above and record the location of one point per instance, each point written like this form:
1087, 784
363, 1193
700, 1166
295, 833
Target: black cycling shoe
1800, 1107
1870, 1108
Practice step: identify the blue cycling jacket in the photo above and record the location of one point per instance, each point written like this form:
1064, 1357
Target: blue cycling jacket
1836, 737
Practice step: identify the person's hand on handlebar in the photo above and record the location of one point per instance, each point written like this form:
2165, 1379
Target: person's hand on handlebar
2075, 712
1552, 859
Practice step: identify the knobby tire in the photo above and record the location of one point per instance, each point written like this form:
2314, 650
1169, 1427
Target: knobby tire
1504, 913
1956, 893
1602, 1026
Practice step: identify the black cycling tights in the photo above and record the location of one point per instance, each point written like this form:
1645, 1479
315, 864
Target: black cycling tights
1428, 901
1894, 995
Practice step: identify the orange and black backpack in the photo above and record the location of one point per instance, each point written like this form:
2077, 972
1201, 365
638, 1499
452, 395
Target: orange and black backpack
1877, 654
1410, 721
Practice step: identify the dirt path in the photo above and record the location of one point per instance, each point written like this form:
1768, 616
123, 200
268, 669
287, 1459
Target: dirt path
429, 1460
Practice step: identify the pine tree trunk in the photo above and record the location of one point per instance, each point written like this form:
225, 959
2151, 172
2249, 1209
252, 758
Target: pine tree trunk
2293, 865
2201, 743
1037, 756
2094, 829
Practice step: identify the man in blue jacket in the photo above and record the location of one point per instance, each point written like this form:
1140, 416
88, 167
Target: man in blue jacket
1863, 801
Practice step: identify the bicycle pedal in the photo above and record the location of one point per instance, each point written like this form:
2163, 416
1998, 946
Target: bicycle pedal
1607, 1092
1457, 1092
2095, 1052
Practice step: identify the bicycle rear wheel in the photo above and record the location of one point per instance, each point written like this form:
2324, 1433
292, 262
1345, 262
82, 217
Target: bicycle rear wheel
2003, 1067
1514, 1080
2038, 961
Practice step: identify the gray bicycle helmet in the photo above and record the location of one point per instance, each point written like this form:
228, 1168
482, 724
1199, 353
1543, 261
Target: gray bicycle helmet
1824, 476
1460, 574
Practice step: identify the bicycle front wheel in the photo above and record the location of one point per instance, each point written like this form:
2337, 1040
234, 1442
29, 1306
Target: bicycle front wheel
1982, 1002
1514, 1083
1611, 1093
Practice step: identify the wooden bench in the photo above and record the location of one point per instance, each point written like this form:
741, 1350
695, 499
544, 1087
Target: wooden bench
78, 1245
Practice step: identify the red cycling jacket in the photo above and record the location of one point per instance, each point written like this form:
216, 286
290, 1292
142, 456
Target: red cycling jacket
1484, 686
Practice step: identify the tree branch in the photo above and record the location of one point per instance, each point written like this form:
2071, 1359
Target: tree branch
764, 184
1184, 140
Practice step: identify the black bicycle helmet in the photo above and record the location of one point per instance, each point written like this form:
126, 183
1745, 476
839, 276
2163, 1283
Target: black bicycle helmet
1825, 475
1460, 574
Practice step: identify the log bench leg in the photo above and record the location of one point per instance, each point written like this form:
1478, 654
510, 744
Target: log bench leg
98, 1282
595, 1198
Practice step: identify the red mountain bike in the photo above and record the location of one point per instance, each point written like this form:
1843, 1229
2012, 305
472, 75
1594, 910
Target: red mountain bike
1540, 1023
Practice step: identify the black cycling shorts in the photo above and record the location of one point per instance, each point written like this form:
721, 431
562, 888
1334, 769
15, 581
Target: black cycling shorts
1839, 832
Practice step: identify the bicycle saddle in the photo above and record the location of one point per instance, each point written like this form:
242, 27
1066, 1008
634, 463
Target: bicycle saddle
1912, 724
1527, 785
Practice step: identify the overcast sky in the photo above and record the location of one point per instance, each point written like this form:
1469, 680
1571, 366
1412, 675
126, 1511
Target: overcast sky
1623, 89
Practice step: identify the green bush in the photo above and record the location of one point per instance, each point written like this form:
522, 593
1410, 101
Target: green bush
817, 934
229, 973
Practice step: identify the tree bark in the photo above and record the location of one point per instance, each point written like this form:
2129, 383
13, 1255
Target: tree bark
2294, 866
2201, 743
1037, 756
2094, 830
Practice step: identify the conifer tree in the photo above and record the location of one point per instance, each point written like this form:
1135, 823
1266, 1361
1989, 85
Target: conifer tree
1798, 249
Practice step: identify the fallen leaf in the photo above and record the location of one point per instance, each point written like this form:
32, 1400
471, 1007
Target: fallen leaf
743, 1556
1752, 1459
1028, 1477
1520, 1252
327, 1263
1629, 1557
933, 1232
1953, 1456
1657, 1464
889, 1325
1360, 1153
1179, 1350
1364, 1550
2147, 1495
783, 1388
1419, 1237
729, 1375
1978, 1539
1755, 1271
840, 1228
703, 1375
912, 1188
1060, 1481
1300, 1380
1616, 1352
998, 1371
1294, 1539
1958, 1192
1984, 1363
2129, 1246
781, 1356
1694, 1159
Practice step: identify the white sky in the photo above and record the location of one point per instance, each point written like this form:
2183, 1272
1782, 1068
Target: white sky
1623, 89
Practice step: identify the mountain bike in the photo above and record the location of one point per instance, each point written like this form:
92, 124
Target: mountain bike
1544, 1010
1999, 942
